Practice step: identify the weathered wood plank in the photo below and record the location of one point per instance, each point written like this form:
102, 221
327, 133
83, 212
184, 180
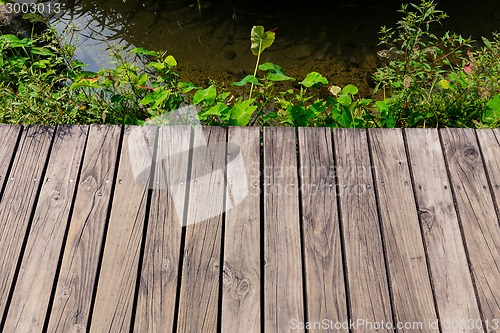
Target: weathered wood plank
477, 215
324, 269
159, 276
32, 292
8, 138
489, 141
451, 278
241, 274
18, 201
71, 306
365, 263
283, 294
407, 265
120, 262
199, 293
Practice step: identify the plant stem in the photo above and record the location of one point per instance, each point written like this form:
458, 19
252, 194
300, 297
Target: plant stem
256, 66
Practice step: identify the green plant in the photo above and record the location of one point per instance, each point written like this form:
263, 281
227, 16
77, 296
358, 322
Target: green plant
260, 40
430, 82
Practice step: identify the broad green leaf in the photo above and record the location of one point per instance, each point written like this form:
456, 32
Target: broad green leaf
142, 79
314, 79
248, 78
45, 52
216, 110
156, 65
207, 95
492, 111
170, 61
241, 113
143, 51
186, 87
260, 39
276, 73
344, 100
350, 89
156, 97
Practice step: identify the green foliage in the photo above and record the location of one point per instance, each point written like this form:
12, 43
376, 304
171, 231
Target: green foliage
427, 81
430, 81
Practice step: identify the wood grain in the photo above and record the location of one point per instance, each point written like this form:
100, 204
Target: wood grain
71, 306
365, 263
19, 199
8, 138
452, 282
406, 259
199, 293
241, 271
489, 141
159, 275
479, 221
326, 297
31, 295
120, 262
283, 294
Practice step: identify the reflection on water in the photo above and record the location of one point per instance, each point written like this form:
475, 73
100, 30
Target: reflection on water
336, 38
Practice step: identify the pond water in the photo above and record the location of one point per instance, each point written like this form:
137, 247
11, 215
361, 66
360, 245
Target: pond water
336, 38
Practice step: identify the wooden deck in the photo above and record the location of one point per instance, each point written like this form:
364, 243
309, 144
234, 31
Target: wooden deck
181, 229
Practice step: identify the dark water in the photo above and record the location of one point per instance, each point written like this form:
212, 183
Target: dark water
336, 38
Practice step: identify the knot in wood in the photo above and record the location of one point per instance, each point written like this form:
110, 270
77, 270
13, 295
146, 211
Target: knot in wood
227, 277
55, 198
243, 287
427, 217
470, 155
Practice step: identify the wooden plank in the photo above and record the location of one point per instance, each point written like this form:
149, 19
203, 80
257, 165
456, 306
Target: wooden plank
241, 274
451, 278
18, 201
199, 293
364, 254
325, 287
477, 215
283, 294
120, 262
32, 291
8, 138
71, 306
489, 141
406, 261
159, 276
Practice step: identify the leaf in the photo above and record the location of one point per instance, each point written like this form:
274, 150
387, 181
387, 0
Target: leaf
207, 95
492, 111
40, 51
186, 87
156, 65
241, 113
344, 100
334, 90
216, 110
170, 61
276, 73
143, 51
350, 89
487, 43
248, 78
314, 79
445, 84
260, 39
157, 98
388, 119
